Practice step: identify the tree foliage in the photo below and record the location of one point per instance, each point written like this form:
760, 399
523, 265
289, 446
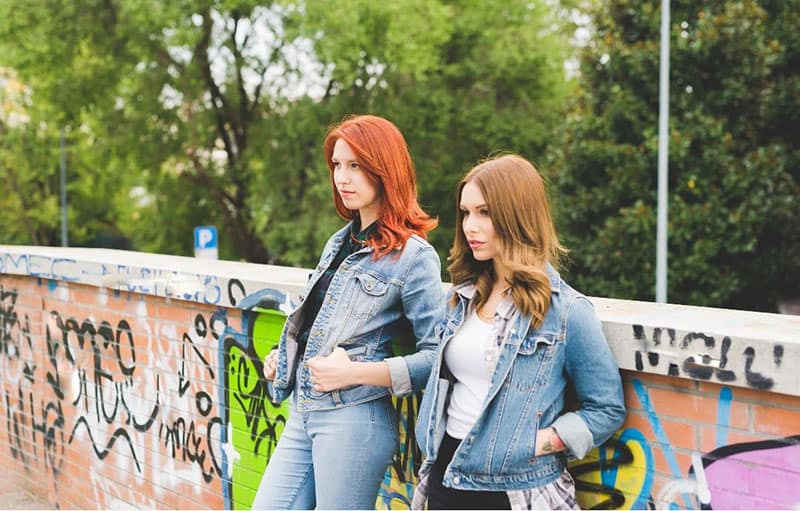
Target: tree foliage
460, 79
733, 160
195, 112
214, 111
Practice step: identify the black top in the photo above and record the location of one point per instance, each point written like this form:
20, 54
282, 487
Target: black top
352, 244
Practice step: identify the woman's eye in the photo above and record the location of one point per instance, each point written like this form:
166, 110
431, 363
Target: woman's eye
485, 212
354, 165
336, 164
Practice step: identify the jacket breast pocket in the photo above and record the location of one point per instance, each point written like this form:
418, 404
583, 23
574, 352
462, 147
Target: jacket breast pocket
370, 294
533, 362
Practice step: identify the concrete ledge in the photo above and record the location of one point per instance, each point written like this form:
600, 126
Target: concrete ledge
737, 348
187, 278
732, 347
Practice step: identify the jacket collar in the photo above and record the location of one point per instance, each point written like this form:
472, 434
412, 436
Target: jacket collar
467, 289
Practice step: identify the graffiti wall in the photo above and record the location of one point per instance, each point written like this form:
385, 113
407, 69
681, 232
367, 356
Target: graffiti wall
117, 400
127, 396
690, 445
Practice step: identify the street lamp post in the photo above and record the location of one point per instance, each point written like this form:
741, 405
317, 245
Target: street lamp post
63, 172
663, 160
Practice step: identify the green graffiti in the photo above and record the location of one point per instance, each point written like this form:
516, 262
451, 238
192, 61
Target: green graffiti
255, 424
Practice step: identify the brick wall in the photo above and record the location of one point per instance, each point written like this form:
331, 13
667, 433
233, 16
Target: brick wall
132, 380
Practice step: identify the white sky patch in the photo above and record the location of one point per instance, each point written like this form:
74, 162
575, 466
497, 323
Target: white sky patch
170, 97
293, 74
580, 38
141, 196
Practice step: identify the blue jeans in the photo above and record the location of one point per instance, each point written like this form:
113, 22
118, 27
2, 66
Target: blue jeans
330, 459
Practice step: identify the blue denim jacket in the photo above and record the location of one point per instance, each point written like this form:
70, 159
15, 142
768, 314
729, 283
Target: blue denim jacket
526, 393
369, 306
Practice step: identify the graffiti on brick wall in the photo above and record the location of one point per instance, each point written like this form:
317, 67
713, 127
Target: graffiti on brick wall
181, 402
129, 390
400, 479
31, 420
157, 404
618, 475
184, 438
753, 475
706, 358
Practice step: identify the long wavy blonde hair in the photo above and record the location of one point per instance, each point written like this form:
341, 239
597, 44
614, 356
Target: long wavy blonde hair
527, 240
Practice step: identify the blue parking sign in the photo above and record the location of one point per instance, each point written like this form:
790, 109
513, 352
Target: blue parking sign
205, 241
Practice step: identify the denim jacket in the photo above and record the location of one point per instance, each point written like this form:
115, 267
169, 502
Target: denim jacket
526, 393
369, 307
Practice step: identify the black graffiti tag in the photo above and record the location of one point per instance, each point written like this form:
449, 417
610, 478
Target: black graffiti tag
702, 366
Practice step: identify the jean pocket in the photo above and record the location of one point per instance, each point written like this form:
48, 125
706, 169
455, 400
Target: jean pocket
534, 358
356, 352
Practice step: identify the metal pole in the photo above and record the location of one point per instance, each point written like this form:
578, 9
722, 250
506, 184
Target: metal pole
64, 240
663, 160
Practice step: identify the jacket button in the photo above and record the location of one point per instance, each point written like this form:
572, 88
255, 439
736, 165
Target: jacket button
456, 480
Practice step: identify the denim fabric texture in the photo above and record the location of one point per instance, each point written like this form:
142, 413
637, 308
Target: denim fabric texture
331, 459
316, 296
369, 304
526, 393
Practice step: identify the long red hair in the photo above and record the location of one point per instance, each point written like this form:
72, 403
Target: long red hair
382, 152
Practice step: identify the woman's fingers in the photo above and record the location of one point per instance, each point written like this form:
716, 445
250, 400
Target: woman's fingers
271, 365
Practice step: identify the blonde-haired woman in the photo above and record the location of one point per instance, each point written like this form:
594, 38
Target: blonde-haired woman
492, 424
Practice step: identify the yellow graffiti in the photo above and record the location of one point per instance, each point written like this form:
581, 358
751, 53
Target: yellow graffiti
620, 476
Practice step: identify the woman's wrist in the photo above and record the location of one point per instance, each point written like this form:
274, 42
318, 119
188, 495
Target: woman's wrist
370, 373
550, 442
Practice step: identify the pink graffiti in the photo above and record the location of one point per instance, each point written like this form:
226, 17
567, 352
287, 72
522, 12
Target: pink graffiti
757, 475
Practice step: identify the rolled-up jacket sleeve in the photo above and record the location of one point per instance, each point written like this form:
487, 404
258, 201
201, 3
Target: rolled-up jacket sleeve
424, 307
594, 373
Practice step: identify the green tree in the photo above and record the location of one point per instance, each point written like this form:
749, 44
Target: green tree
214, 112
734, 96
29, 207
460, 79
164, 95
30, 156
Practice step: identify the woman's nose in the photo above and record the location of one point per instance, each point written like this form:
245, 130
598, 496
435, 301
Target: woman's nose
469, 225
341, 177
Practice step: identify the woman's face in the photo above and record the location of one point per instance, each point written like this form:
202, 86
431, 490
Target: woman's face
477, 224
353, 184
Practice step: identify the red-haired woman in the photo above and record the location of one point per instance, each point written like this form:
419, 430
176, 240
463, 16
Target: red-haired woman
377, 279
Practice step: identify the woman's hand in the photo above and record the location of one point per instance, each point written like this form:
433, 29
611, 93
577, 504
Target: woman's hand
271, 365
548, 442
333, 372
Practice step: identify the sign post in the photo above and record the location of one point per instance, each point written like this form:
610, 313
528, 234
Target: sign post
206, 242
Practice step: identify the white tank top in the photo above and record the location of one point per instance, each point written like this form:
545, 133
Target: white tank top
465, 356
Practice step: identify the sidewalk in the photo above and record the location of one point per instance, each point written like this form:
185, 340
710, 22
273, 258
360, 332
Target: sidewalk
14, 497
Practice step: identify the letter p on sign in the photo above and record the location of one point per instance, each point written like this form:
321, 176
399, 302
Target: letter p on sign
205, 242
